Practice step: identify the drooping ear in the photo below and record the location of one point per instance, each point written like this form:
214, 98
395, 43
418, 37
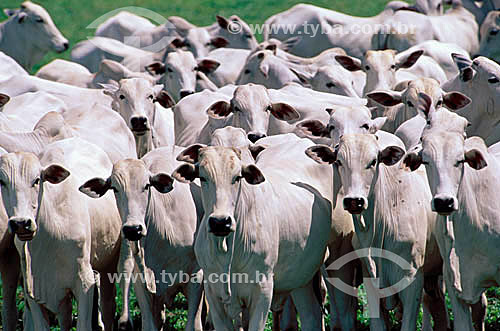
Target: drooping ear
222, 21
412, 160
305, 78
386, 98
252, 174
425, 104
461, 61
207, 66
177, 43
4, 98
155, 68
290, 43
255, 150
284, 112
456, 100
164, 99
163, 183
111, 88
313, 128
21, 17
10, 12
475, 159
95, 187
190, 154
349, 63
186, 173
322, 154
391, 155
377, 124
55, 174
272, 47
219, 42
405, 62
219, 110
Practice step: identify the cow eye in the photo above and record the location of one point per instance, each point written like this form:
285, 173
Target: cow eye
247, 72
122, 97
393, 67
36, 182
236, 179
459, 162
39, 20
372, 164
493, 80
330, 85
148, 185
493, 32
114, 189
170, 70
203, 180
248, 36
410, 104
339, 163
236, 109
439, 103
150, 97
365, 126
208, 44
367, 67
269, 108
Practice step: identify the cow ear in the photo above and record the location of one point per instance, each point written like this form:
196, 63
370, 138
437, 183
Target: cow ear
405, 62
207, 66
377, 124
4, 98
186, 173
391, 155
273, 48
456, 100
255, 150
163, 183
305, 78
386, 98
219, 110
10, 12
290, 43
164, 99
95, 187
252, 174
313, 128
322, 154
177, 43
55, 174
190, 154
349, 63
461, 61
222, 21
425, 104
475, 159
155, 68
110, 89
284, 112
21, 17
219, 42
412, 160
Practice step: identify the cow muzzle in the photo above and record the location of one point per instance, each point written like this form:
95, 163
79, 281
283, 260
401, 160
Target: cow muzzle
220, 226
444, 204
133, 232
185, 93
24, 228
139, 125
254, 136
355, 205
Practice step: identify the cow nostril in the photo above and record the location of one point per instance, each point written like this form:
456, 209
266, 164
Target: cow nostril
186, 93
220, 227
444, 205
139, 123
253, 137
66, 46
133, 232
354, 205
13, 226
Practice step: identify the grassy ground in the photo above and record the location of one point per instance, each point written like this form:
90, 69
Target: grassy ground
73, 16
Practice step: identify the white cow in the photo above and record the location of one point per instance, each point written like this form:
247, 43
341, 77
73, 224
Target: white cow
457, 167
326, 28
9, 66
234, 238
72, 73
29, 34
388, 217
481, 9
164, 220
232, 61
489, 36
49, 216
143, 107
480, 80
457, 26
9, 271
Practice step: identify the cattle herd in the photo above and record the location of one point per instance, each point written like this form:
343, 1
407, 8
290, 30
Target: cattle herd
199, 152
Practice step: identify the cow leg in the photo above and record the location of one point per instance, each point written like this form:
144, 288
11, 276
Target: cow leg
411, 297
84, 295
39, 320
125, 268
260, 304
434, 304
479, 313
9, 270
108, 303
194, 296
288, 317
64, 314
462, 317
146, 302
308, 307
220, 319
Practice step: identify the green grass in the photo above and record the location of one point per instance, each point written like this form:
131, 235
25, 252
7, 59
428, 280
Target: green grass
73, 16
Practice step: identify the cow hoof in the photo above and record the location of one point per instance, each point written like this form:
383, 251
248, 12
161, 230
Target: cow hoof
125, 326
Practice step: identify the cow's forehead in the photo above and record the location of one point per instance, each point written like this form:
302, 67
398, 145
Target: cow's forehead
428, 86
441, 143
181, 58
32, 8
217, 159
20, 163
486, 66
343, 113
358, 146
386, 56
128, 170
135, 85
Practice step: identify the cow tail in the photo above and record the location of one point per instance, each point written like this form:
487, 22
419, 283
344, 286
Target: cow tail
95, 303
317, 291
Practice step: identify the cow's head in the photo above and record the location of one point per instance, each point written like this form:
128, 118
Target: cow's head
236, 32
251, 107
329, 79
36, 27
357, 160
22, 178
221, 173
134, 99
445, 154
131, 181
490, 36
